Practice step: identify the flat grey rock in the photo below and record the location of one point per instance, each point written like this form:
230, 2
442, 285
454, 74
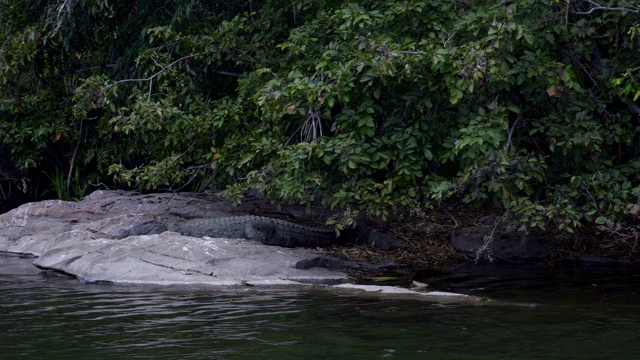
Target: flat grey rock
170, 258
80, 239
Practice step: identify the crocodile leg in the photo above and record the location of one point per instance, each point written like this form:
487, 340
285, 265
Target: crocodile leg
262, 231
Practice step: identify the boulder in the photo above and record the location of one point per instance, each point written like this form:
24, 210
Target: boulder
79, 238
170, 258
486, 242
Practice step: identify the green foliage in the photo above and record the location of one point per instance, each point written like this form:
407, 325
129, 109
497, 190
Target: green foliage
71, 188
59, 184
368, 106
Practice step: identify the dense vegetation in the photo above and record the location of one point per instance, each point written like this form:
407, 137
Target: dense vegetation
527, 106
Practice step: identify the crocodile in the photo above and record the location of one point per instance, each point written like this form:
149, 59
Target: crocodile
269, 231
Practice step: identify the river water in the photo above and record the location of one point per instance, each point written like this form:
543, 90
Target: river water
49, 316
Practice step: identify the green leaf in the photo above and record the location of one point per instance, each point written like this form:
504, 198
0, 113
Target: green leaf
528, 38
455, 96
513, 108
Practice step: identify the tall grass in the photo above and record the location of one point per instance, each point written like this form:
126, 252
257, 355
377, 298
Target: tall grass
75, 189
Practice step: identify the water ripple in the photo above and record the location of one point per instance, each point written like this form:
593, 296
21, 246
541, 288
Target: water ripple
59, 318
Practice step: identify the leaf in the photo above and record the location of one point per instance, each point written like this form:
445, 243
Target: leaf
528, 38
513, 108
456, 95
601, 220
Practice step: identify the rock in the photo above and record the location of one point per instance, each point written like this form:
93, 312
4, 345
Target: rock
79, 238
343, 263
505, 245
170, 258
397, 292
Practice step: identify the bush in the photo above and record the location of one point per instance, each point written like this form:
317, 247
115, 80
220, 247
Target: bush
369, 106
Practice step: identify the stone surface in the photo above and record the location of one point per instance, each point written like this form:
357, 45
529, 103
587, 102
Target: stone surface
80, 239
397, 292
505, 245
170, 258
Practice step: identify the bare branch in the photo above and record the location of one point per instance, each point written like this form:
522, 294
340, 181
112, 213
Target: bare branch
513, 127
449, 38
62, 6
502, 3
597, 6
228, 73
312, 128
198, 169
451, 216
3, 44
73, 158
150, 87
150, 78
566, 17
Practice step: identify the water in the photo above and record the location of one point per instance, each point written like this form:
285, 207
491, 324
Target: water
53, 317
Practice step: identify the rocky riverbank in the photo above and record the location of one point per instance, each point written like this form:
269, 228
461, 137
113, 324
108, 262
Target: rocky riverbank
81, 239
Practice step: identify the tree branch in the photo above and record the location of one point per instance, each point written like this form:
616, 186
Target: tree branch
62, 6
73, 158
229, 73
513, 127
600, 7
150, 78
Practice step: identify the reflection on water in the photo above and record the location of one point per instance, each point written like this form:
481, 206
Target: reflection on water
54, 317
